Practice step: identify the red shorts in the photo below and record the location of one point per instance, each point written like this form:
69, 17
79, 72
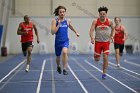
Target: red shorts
99, 47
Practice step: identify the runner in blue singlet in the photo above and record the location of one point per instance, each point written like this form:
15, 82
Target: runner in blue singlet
59, 27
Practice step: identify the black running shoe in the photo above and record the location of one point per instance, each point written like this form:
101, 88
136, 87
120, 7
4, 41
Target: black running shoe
65, 72
59, 69
24, 53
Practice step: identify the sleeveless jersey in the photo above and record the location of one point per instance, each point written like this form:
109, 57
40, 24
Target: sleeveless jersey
62, 33
102, 31
29, 28
119, 35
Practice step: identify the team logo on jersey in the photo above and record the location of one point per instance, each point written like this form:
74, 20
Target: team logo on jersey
103, 27
63, 25
27, 29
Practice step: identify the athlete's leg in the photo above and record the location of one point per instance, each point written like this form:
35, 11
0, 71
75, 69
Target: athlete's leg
58, 64
58, 60
58, 50
105, 58
65, 57
121, 49
24, 49
117, 53
105, 63
97, 51
29, 50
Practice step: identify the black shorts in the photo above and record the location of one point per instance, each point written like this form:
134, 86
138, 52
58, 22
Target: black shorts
119, 46
26, 45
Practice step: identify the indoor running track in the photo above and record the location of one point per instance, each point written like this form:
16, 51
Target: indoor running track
84, 76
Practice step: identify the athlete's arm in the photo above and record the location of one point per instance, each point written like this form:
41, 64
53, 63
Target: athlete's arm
19, 31
55, 28
112, 30
72, 28
91, 32
36, 32
125, 33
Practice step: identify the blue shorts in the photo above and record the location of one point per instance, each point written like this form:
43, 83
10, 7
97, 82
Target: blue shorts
59, 45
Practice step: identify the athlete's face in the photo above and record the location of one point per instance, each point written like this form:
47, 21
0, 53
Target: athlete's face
102, 15
26, 19
117, 21
62, 13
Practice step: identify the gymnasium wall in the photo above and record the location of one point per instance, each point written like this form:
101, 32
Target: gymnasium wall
77, 7
82, 24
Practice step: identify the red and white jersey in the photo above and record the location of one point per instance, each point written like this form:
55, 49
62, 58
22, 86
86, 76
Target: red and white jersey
119, 35
27, 37
102, 31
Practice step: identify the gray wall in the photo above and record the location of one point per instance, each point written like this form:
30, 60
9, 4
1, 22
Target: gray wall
82, 25
77, 7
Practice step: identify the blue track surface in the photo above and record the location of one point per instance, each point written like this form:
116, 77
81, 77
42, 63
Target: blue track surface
84, 75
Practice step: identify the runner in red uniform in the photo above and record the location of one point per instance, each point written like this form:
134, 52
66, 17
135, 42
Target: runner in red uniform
119, 39
103, 35
25, 29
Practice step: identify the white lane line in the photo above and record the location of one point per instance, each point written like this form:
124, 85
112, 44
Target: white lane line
41, 74
125, 72
132, 63
10, 78
53, 83
82, 86
125, 69
112, 78
12, 70
109, 90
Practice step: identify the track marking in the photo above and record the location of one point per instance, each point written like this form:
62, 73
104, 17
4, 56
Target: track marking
12, 70
109, 90
41, 74
125, 73
82, 86
125, 69
10, 78
112, 77
52, 70
132, 63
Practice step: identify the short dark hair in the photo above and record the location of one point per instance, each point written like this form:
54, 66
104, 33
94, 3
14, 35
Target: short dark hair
25, 16
103, 8
57, 10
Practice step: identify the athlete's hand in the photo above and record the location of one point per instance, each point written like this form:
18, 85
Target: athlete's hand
92, 40
59, 22
77, 34
111, 40
38, 41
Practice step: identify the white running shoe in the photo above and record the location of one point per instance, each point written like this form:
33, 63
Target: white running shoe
118, 65
27, 68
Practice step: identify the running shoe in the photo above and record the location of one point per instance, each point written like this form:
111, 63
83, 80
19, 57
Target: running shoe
118, 65
27, 68
25, 53
65, 72
59, 69
103, 76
